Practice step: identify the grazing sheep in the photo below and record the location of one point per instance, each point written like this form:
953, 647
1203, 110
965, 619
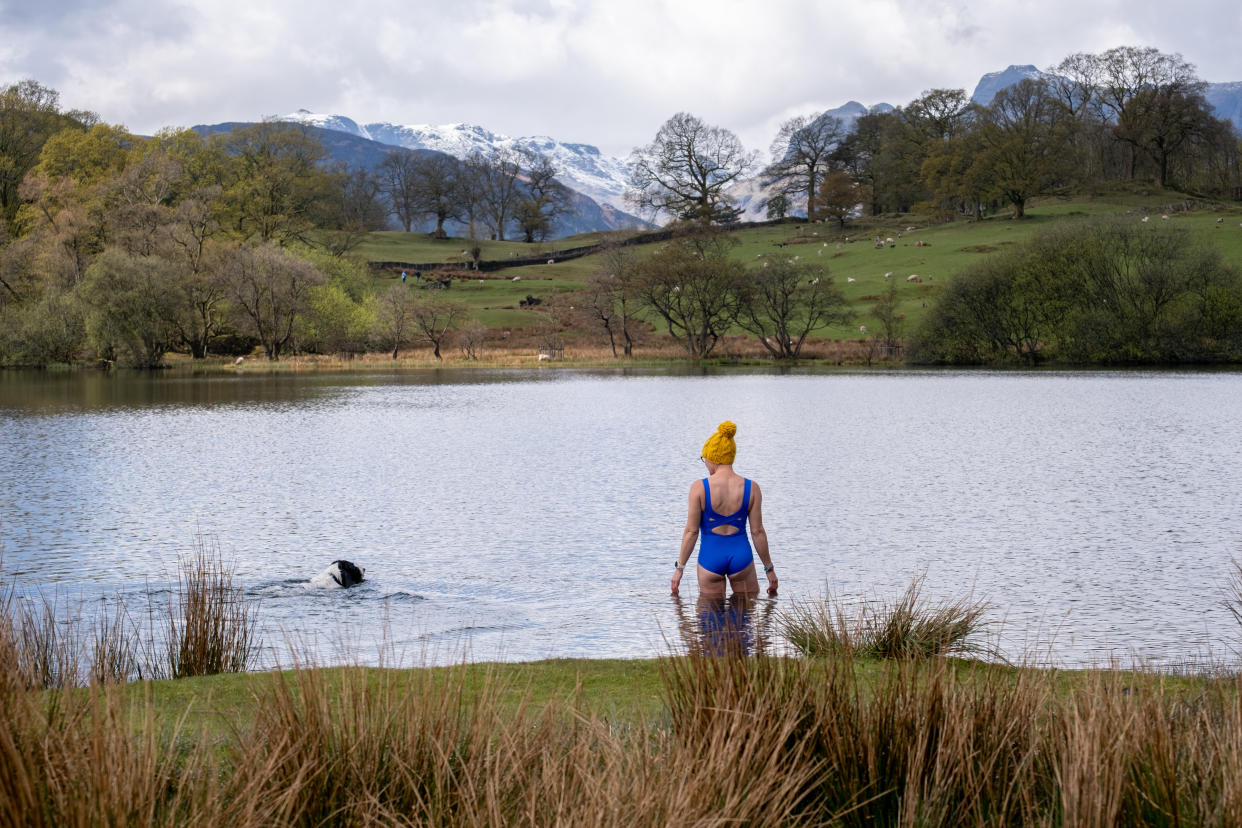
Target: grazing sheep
551, 261
913, 277
542, 357
1165, 217
517, 278
850, 279
888, 275
1220, 221
1146, 219
862, 328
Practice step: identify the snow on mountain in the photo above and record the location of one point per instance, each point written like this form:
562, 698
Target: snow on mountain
583, 167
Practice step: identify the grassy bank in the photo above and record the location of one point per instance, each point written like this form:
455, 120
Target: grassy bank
917, 738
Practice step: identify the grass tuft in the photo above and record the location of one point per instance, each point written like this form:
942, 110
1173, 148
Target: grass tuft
908, 628
211, 626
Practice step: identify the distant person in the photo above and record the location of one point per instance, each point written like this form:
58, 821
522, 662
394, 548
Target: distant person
720, 506
403, 276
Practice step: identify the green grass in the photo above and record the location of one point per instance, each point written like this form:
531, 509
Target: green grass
948, 248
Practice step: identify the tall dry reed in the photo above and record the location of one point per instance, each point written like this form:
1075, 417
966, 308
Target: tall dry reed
212, 628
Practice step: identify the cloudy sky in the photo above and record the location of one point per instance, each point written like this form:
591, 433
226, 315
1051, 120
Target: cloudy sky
591, 71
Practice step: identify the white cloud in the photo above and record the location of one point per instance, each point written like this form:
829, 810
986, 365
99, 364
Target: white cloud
607, 73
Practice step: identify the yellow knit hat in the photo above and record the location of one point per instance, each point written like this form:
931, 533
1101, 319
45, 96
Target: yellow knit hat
720, 448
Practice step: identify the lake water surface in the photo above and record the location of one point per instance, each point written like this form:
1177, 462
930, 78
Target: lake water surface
528, 514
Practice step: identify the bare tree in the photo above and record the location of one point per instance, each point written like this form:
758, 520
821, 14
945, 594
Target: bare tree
397, 177
687, 169
546, 198
433, 318
498, 189
802, 151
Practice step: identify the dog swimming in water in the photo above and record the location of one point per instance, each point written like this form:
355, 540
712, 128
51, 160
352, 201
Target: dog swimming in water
340, 575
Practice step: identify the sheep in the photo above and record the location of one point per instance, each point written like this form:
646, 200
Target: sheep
1165, 217
850, 279
815, 281
1220, 221
862, 328
517, 278
542, 357
913, 277
888, 275
551, 261
1146, 219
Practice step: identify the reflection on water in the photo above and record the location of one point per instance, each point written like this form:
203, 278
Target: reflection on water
519, 515
739, 625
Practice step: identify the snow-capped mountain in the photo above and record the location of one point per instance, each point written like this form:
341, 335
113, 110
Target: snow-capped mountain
583, 167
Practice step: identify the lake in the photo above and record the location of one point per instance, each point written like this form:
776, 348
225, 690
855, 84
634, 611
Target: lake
520, 515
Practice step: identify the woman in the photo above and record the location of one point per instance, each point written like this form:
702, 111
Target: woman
720, 506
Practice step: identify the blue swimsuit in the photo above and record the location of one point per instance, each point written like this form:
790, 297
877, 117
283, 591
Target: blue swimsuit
724, 554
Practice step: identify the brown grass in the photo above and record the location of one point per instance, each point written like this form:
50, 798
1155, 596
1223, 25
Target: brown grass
211, 627
753, 741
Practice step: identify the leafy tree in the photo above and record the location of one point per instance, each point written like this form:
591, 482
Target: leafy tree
275, 184
335, 322
394, 317
803, 150
784, 302
838, 198
29, 115
778, 206
268, 289
132, 303
1027, 134
438, 184
693, 285
687, 169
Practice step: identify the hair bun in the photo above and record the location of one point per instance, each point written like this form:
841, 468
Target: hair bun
727, 428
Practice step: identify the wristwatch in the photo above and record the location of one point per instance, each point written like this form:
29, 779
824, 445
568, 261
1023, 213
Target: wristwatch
768, 569
679, 566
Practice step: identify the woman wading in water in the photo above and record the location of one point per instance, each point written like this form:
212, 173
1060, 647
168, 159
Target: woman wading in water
721, 504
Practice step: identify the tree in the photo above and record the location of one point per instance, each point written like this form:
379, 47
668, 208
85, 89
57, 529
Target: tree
611, 296
29, 115
1154, 99
268, 288
1027, 134
433, 318
353, 210
132, 303
783, 302
437, 184
687, 169
838, 197
803, 149
275, 183
497, 187
694, 286
394, 317
397, 182
777, 207
546, 199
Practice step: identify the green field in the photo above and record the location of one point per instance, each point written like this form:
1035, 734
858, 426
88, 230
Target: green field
934, 252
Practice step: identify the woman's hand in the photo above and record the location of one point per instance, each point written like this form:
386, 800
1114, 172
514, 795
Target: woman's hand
772, 582
676, 582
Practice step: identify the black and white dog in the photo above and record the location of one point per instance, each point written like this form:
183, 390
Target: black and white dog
340, 575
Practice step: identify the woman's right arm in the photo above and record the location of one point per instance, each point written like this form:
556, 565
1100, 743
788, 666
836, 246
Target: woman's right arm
690, 533
759, 537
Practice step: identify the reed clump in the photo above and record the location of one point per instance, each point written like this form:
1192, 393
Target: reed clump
212, 628
909, 627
